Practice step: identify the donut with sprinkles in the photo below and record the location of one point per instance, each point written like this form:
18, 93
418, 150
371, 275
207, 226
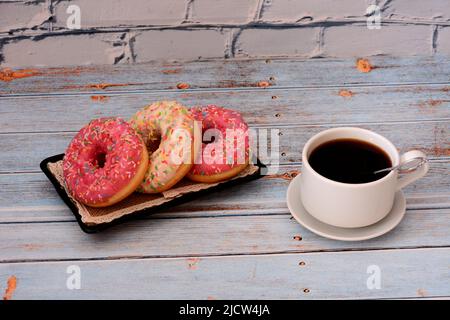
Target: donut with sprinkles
225, 146
105, 162
167, 129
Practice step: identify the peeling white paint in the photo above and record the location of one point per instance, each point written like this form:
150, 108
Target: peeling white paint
16, 16
122, 50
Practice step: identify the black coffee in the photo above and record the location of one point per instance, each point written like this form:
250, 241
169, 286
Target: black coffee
349, 161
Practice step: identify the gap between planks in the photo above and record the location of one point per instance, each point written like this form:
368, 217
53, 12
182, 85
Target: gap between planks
217, 277
173, 216
433, 159
224, 255
219, 90
275, 126
278, 230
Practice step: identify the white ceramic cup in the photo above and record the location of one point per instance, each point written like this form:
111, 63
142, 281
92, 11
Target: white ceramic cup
354, 205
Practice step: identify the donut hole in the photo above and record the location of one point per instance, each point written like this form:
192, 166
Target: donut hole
154, 142
100, 159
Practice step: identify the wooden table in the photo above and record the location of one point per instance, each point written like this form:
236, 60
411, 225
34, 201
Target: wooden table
242, 242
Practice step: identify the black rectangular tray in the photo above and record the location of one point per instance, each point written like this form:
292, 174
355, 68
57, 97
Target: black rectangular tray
139, 213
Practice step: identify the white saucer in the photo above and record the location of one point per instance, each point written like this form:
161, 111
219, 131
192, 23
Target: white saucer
345, 234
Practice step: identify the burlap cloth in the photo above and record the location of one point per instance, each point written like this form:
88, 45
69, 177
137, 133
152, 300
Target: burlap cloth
136, 201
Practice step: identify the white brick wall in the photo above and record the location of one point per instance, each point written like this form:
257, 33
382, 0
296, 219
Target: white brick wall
345, 41
111, 13
294, 10
277, 42
444, 41
18, 16
438, 10
128, 31
223, 11
179, 44
54, 51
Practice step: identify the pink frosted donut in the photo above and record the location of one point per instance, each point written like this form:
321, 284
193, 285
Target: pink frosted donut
105, 162
225, 147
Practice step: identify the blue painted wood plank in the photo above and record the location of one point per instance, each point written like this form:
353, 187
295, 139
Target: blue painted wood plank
402, 273
405, 99
234, 74
30, 197
226, 235
268, 107
22, 152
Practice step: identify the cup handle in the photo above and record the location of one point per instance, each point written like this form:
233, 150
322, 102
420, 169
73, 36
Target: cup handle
414, 173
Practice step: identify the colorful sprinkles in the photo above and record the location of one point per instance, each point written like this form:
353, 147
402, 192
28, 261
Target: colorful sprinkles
214, 117
101, 160
162, 120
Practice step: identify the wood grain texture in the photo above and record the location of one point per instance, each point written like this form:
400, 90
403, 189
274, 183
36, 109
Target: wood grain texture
226, 235
233, 73
272, 107
22, 152
338, 275
31, 197
241, 242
